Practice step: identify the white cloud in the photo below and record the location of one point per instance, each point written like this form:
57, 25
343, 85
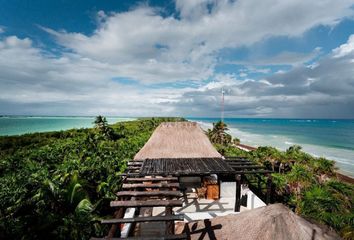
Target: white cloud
150, 48
33, 82
345, 48
143, 46
325, 91
283, 58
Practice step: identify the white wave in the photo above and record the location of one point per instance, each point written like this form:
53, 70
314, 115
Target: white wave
344, 158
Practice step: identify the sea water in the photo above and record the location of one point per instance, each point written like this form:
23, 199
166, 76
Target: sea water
15, 125
333, 139
330, 138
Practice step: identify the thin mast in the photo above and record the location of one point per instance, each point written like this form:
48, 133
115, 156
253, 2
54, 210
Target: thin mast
222, 104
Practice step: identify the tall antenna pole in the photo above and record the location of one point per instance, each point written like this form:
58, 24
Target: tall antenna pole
222, 104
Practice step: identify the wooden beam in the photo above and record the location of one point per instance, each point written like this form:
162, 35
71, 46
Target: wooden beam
115, 228
235, 159
151, 203
152, 185
133, 168
135, 163
166, 237
149, 194
253, 172
247, 167
151, 179
179, 217
138, 174
239, 163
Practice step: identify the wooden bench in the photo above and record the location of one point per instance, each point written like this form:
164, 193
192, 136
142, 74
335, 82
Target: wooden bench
151, 203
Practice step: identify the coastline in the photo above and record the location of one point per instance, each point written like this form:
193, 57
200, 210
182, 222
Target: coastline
339, 175
343, 157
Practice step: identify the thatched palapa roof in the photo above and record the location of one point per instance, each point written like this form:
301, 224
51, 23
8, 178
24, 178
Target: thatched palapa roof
178, 140
273, 222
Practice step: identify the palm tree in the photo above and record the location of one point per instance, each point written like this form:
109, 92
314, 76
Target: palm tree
101, 125
299, 178
100, 122
218, 134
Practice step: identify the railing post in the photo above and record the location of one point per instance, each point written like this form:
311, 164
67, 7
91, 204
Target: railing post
238, 193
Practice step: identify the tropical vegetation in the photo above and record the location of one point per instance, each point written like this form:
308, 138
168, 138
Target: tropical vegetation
305, 183
58, 185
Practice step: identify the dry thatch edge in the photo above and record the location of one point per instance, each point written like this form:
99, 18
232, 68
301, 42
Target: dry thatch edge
274, 221
178, 140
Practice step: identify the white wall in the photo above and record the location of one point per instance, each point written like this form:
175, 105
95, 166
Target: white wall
228, 190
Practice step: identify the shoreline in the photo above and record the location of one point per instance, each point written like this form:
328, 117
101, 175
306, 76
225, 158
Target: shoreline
340, 176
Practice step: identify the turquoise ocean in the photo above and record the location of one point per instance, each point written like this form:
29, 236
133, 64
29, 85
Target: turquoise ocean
20, 125
333, 139
330, 138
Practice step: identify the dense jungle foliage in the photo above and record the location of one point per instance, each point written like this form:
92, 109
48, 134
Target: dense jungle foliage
305, 183
57, 185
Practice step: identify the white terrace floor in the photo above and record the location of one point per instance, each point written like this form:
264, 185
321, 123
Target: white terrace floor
197, 209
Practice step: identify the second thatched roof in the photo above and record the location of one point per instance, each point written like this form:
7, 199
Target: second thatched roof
273, 222
178, 140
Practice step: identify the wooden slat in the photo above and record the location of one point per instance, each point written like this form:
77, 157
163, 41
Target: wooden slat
234, 157
179, 217
231, 163
247, 167
135, 163
237, 160
253, 172
149, 194
133, 168
151, 179
151, 203
153, 185
166, 237
138, 174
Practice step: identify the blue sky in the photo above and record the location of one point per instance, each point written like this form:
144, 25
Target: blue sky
146, 58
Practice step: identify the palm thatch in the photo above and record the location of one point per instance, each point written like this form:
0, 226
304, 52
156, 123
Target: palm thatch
178, 140
271, 222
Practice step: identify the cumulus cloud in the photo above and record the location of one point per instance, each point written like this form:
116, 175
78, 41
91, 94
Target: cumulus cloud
35, 82
148, 47
283, 58
325, 90
345, 49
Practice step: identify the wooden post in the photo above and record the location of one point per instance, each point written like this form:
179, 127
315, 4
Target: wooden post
170, 225
238, 193
269, 188
219, 184
115, 229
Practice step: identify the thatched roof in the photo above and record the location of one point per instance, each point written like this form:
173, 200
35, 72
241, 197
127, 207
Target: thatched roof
178, 140
271, 222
